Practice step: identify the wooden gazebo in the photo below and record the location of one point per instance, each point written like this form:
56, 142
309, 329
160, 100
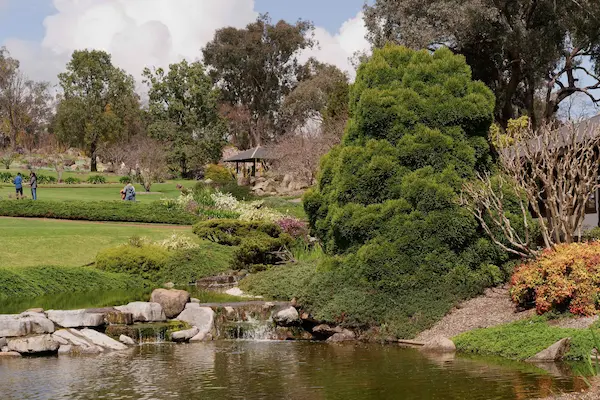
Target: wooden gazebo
258, 154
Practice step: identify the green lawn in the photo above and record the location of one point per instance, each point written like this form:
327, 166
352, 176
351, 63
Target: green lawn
97, 192
30, 242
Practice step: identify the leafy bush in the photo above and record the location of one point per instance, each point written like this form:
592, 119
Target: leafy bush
259, 243
294, 227
96, 179
103, 211
41, 280
402, 250
189, 265
178, 242
72, 181
282, 282
125, 180
145, 261
237, 191
253, 211
218, 174
202, 194
566, 278
45, 179
6, 177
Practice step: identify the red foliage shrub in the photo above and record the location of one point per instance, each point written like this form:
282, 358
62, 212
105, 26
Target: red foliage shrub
294, 227
564, 279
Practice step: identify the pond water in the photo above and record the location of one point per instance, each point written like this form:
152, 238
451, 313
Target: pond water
273, 370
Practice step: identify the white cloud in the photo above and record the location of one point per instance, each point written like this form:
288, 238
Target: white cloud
140, 33
338, 49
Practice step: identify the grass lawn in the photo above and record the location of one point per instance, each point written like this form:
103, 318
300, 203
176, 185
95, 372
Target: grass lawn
30, 242
97, 192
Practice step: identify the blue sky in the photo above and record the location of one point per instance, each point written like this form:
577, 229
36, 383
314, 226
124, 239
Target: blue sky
23, 19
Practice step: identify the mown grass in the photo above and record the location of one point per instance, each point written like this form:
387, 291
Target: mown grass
524, 339
27, 242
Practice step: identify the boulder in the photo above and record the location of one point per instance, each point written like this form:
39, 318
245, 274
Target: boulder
35, 310
101, 340
65, 349
326, 330
169, 285
172, 301
439, 344
556, 352
33, 344
75, 318
185, 336
126, 340
4, 349
24, 324
287, 317
202, 318
193, 300
3, 342
345, 335
72, 337
144, 312
9, 354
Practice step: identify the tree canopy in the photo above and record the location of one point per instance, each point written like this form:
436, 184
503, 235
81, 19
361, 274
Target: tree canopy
183, 111
533, 54
98, 104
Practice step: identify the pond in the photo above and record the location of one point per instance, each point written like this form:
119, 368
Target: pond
274, 370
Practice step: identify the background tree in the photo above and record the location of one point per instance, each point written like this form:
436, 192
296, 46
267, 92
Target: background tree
256, 67
148, 158
25, 105
183, 112
98, 103
533, 54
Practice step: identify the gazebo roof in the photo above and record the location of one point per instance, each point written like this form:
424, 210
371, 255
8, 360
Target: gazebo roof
257, 153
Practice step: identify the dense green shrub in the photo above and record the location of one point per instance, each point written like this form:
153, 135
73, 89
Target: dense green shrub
219, 175
386, 201
45, 179
144, 261
72, 181
231, 232
259, 243
6, 177
102, 211
237, 191
125, 180
37, 281
96, 179
566, 278
187, 266
202, 194
282, 282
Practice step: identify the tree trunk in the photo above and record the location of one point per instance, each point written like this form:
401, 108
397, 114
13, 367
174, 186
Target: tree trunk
93, 154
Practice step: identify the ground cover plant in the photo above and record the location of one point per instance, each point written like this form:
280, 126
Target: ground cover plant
31, 242
402, 251
524, 339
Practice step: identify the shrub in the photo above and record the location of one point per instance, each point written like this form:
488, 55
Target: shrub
45, 179
294, 227
117, 211
564, 279
6, 177
219, 175
178, 242
145, 261
259, 251
253, 211
232, 232
237, 191
202, 194
72, 181
189, 265
282, 282
96, 179
125, 180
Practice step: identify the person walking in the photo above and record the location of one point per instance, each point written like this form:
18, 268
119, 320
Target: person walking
33, 184
18, 181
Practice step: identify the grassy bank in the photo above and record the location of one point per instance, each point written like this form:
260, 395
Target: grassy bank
522, 340
29, 242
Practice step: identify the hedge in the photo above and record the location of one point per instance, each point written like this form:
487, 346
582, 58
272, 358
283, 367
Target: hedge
103, 211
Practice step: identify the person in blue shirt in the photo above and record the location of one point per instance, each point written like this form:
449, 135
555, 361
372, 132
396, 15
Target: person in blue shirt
19, 185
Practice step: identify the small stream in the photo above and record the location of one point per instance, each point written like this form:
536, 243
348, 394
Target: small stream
275, 370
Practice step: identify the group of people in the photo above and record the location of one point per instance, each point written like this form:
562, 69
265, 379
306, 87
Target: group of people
18, 181
127, 193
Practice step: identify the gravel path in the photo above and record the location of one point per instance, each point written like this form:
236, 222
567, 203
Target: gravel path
491, 309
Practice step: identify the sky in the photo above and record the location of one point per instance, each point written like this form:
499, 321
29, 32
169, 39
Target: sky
42, 34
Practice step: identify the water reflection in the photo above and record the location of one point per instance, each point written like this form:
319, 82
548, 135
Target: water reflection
259, 370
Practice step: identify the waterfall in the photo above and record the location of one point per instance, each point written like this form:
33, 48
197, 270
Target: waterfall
251, 329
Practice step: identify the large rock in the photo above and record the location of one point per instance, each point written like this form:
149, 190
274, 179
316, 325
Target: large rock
144, 312
126, 340
24, 324
172, 301
202, 318
186, 335
79, 344
3, 342
101, 340
33, 344
440, 344
345, 335
76, 318
326, 330
287, 317
556, 352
